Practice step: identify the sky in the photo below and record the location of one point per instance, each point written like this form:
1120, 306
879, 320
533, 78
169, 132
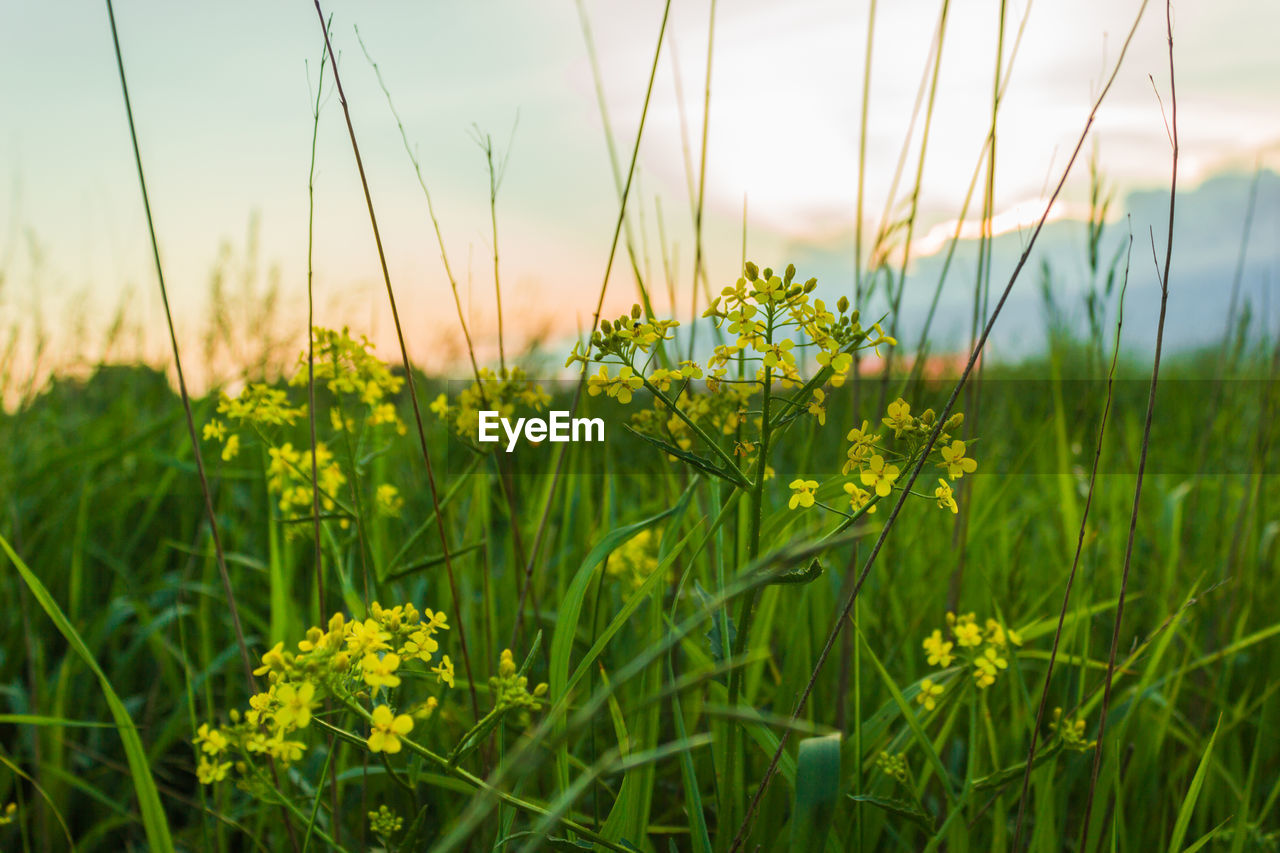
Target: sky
223, 94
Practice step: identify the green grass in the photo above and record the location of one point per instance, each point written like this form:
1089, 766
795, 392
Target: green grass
672, 603
126, 566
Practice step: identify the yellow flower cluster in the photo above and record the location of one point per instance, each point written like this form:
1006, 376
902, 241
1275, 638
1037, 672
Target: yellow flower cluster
511, 690
893, 765
635, 559
345, 659
1071, 732
502, 392
983, 648
348, 368
723, 412
384, 821
351, 372
867, 456
7, 816
289, 478
760, 303
627, 337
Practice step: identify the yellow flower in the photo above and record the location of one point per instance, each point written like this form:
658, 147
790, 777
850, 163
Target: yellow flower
211, 741
506, 664
295, 705
215, 430
367, 636
380, 671
802, 493
956, 463
209, 772
389, 500
436, 620
968, 634
987, 666
231, 448
946, 500
779, 353
816, 407
285, 750
991, 659
444, 671
273, 661
839, 362
858, 498
619, 387
929, 693
899, 417
420, 645
388, 728
879, 475
938, 649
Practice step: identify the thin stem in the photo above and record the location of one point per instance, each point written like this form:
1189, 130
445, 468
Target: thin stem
702, 182
408, 369
1075, 564
177, 362
1146, 441
311, 340
595, 322
852, 597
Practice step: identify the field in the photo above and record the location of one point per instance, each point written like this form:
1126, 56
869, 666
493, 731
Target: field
818, 588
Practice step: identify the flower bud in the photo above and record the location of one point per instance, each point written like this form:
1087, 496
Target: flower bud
752, 271
842, 304
635, 311
606, 327
789, 274
954, 421
811, 285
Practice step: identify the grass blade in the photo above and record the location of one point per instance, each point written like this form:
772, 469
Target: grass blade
153, 818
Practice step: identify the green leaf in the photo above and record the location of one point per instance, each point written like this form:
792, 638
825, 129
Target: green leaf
901, 808
566, 627
1193, 793
41, 720
809, 573
716, 639
1007, 774
702, 463
817, 791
